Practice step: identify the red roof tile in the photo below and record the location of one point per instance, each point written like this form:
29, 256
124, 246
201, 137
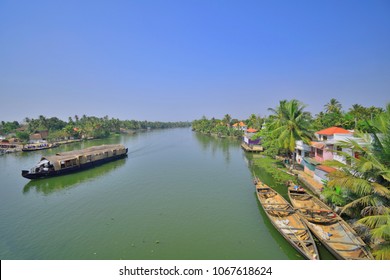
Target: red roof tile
318, 145
239, 124
251, 130
333, 130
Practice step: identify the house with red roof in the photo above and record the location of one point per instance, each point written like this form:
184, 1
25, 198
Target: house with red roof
249, 139
323, 149
240, 126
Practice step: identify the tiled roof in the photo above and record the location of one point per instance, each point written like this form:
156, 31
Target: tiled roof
318, 145
239, 124
333, 130
251, 130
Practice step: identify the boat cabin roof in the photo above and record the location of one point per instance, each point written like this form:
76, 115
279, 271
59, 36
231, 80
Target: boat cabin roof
64, 156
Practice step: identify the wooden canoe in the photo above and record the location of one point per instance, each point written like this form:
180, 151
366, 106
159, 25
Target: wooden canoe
286, 221
331, 230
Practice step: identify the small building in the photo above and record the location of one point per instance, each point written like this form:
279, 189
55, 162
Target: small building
323, 148
39, 137
44, 134
321, 173
240, 126
35, 138
248, 137
302, 150
251, 144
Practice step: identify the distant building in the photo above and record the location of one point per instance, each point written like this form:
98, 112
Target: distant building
323, 148
240, 126
39, 136
248, 137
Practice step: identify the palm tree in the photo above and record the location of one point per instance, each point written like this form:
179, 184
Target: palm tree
227, 119
379, 222
366, 182
334, 106
254, 121
289, 123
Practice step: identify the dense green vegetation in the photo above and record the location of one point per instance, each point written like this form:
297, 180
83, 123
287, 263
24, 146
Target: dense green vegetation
84, 127
225, 127
275, 168
363, 187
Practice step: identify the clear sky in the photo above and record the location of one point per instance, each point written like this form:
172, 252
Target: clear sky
178, 60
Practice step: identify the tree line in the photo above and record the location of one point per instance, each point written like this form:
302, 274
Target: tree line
225, 127
78, 127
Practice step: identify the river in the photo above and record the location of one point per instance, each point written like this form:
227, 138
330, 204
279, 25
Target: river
178, 195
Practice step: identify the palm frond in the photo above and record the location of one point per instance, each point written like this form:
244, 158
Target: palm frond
364, 201
382, 251
381, 232
375, 221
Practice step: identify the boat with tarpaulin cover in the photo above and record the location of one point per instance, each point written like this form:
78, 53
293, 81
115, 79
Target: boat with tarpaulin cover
74, 161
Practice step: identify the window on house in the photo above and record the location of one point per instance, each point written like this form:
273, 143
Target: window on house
320, 152
339, 149
324, 137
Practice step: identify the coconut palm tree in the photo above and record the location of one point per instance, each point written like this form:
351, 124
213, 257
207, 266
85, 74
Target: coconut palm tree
334, 106
379, 222
227, 119
366, 182
289, 123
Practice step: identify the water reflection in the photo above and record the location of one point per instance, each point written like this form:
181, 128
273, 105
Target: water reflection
214, 143
54, 184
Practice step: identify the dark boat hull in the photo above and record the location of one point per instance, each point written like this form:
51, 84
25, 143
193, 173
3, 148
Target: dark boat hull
48, 174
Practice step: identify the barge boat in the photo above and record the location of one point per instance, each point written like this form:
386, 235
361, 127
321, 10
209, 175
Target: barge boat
74, 161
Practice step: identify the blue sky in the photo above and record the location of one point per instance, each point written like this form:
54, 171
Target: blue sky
179, 60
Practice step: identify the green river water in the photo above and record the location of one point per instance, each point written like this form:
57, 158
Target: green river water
178, 195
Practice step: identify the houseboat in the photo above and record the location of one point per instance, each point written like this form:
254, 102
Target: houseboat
73, 161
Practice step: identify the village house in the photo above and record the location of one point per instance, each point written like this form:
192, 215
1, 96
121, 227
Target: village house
39, 137
250, 132
240, 126
325, 147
